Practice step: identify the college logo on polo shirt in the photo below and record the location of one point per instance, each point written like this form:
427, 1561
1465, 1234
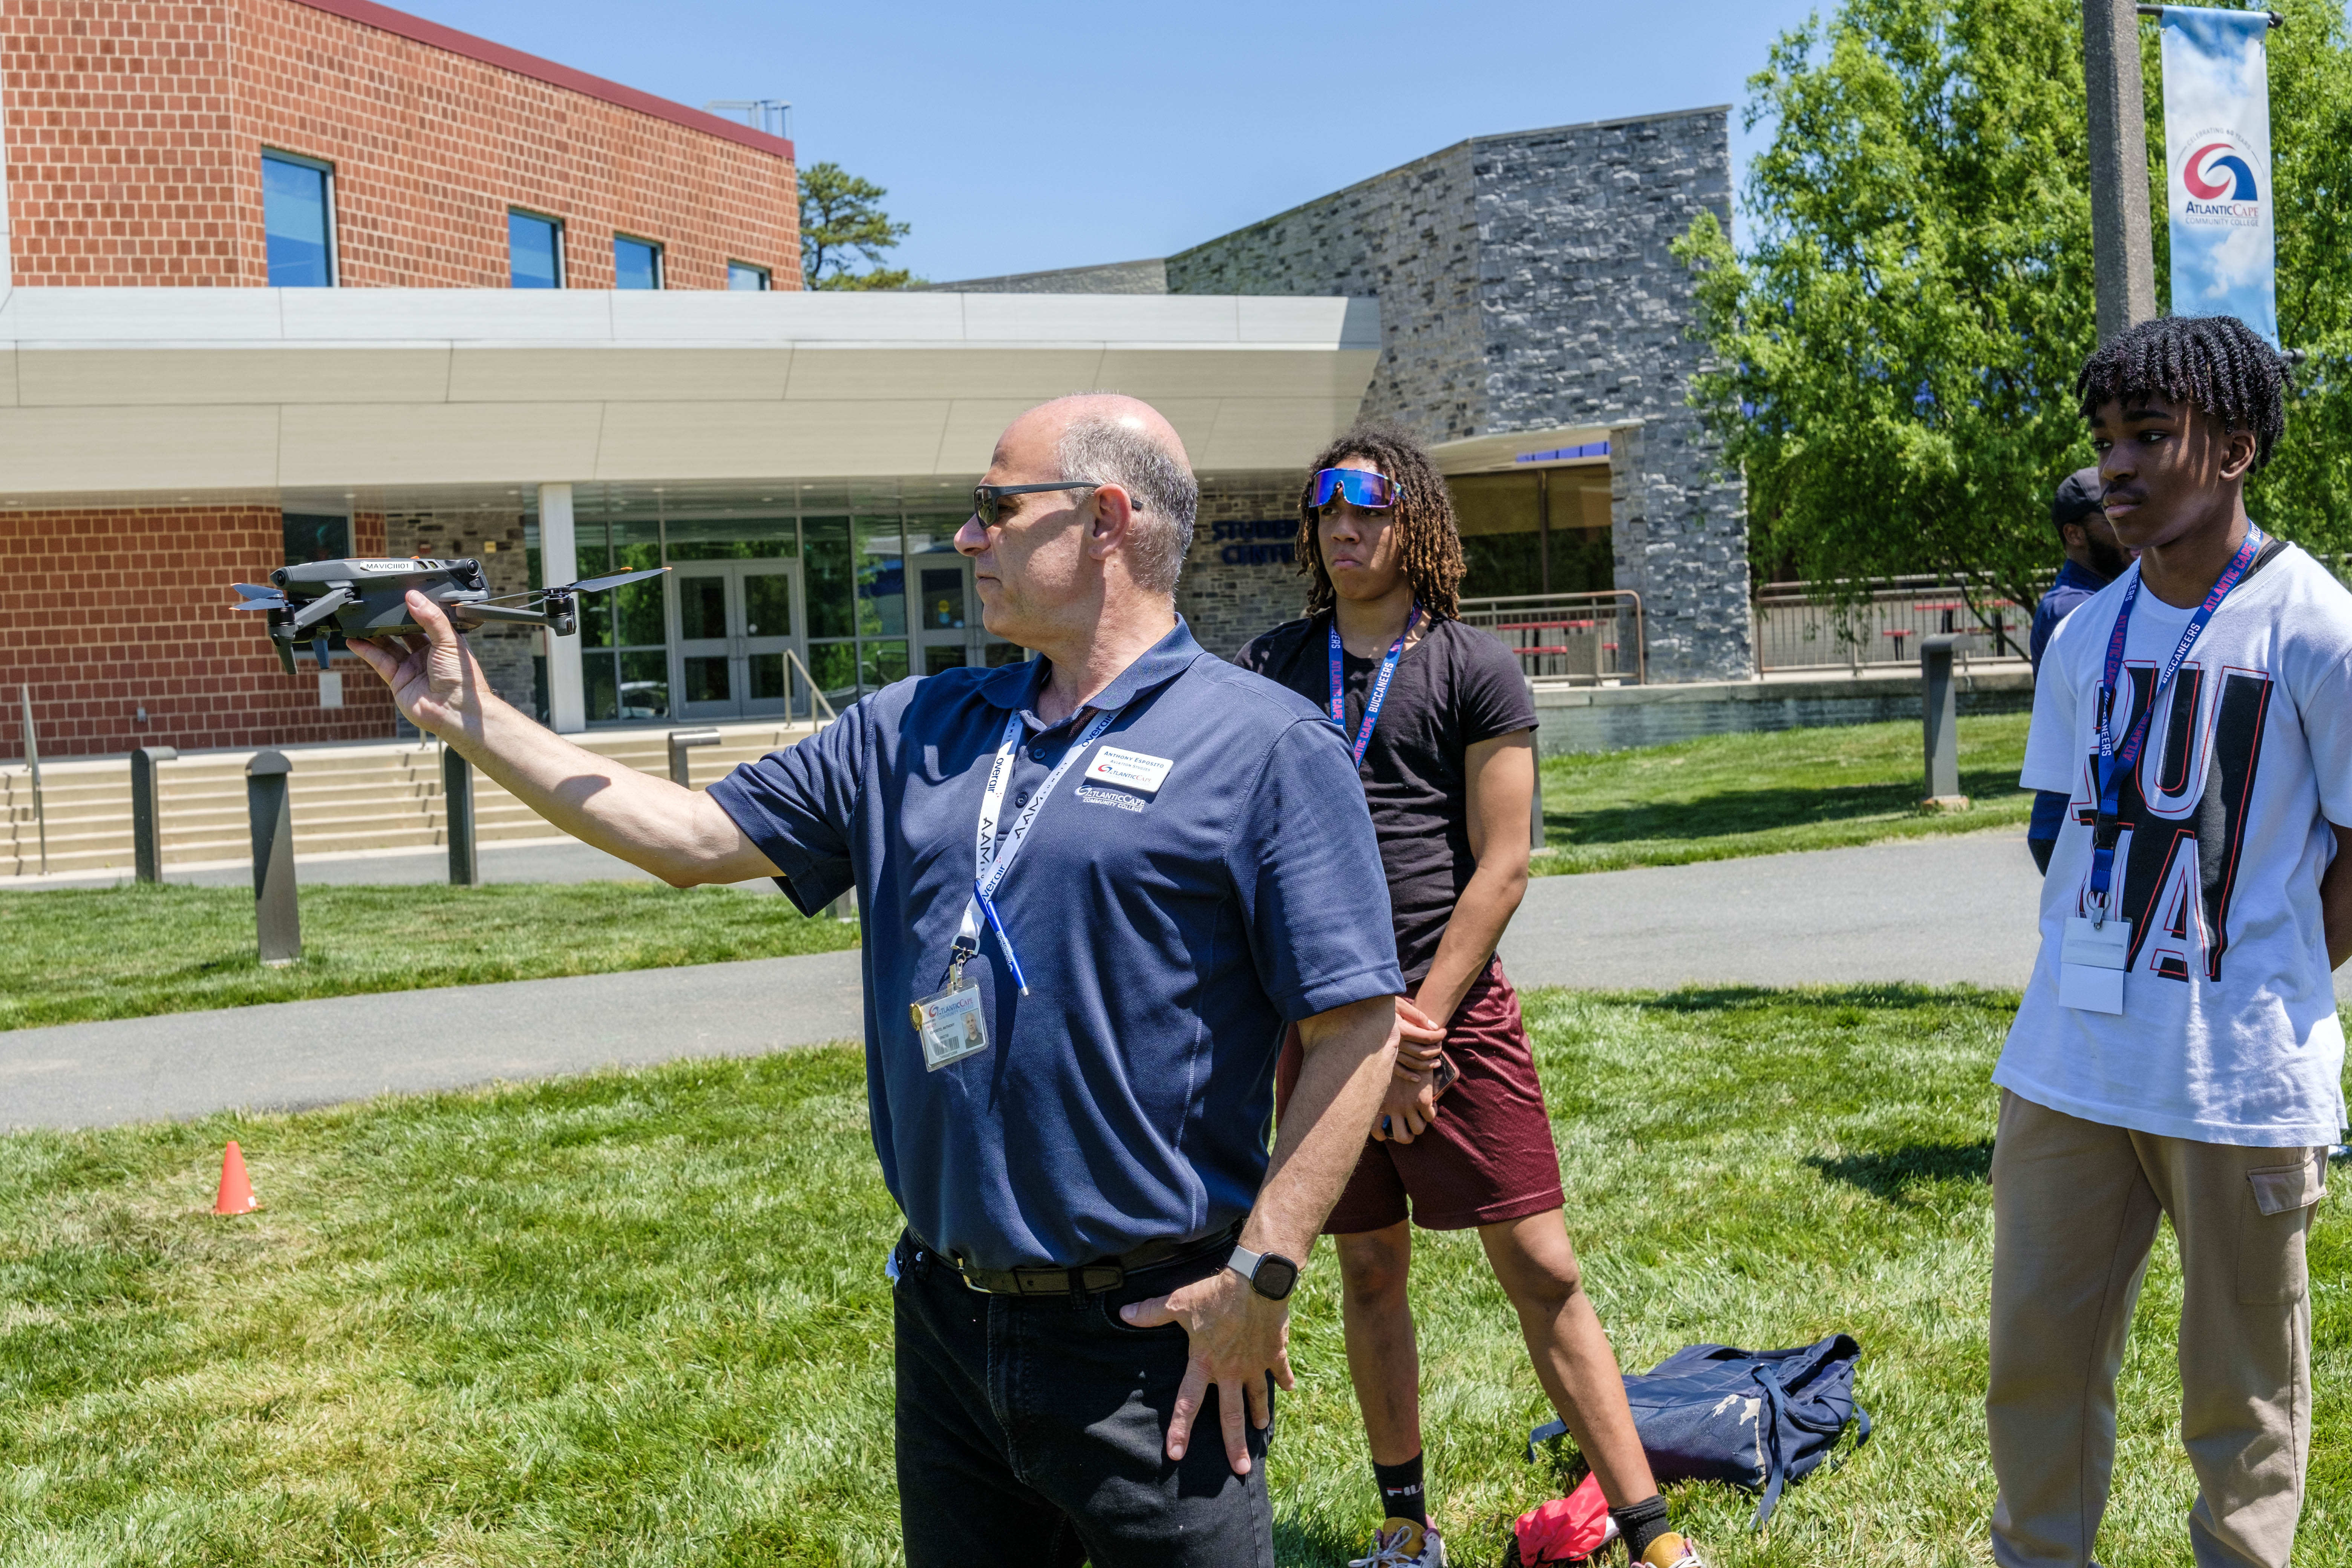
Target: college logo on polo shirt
1135, 775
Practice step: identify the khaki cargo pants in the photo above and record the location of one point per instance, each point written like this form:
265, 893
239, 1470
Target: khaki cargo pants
2074, 1211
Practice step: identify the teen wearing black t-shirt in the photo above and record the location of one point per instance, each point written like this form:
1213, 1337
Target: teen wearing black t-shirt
1448, 768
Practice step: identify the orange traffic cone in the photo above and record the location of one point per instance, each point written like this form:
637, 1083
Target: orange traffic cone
236, 1192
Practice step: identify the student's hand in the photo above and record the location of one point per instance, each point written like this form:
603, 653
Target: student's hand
1410, 1108
1238, 1336
1419, 1037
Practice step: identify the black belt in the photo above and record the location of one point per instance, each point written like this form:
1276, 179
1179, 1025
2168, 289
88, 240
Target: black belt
1088, 1279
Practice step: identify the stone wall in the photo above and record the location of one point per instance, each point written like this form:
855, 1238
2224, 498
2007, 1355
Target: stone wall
1587, 315
1410, 236
1525, 282
1236, 584
1147, 276
496, 540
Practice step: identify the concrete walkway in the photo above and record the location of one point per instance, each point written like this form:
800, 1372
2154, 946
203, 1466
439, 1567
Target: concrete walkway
1934, 911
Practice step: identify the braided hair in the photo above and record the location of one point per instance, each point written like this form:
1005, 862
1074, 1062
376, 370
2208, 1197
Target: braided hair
2214, 362
1423, 519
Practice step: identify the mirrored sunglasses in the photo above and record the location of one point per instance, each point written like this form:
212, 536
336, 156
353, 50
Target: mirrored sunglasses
1361, 487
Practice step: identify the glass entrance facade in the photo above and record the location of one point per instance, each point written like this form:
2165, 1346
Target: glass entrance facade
799, 584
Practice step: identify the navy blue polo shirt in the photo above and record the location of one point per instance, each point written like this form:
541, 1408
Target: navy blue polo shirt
1168, 937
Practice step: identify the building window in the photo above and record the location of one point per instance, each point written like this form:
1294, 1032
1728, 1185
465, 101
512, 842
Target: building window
743, 275
636, 263
534, 251
310, 536
298, 221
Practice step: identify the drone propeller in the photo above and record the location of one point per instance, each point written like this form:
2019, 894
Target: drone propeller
592, 586
259, 598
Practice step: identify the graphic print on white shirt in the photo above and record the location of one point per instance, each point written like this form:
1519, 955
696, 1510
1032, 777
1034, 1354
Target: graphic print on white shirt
2229, 1032
2181, 814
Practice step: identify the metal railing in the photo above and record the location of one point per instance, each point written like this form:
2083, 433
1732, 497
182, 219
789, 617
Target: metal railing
1795, 630
1591, 639
816, 692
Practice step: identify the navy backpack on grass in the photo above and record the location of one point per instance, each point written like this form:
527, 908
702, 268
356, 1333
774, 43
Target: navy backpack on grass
1758, 1419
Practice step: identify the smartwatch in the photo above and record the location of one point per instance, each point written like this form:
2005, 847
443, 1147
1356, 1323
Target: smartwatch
1270, 1274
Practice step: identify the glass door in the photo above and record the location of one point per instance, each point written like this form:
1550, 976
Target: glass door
947, 633
769, 593
946, 619
734, 622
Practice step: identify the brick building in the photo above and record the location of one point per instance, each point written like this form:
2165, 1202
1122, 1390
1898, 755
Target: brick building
293, 279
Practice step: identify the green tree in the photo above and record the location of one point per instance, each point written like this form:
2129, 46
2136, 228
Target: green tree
842, 217
1896, 347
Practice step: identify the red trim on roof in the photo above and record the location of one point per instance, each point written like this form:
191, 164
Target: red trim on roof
384, 18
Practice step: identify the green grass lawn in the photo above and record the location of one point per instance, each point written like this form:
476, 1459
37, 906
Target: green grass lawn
639, 1317
124, 953
1728, 795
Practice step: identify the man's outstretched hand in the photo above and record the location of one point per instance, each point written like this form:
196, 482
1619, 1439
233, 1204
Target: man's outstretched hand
1238, 1336
434, 680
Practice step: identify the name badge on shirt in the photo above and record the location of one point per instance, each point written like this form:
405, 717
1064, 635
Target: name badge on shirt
1129, 770
2091, 964
950, 1024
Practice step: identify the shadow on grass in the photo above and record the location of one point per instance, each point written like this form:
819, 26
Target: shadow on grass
1890, 996
1727, 813
1896, 1175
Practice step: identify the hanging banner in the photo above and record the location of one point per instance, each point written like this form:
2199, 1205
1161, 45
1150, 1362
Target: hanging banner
2217, 145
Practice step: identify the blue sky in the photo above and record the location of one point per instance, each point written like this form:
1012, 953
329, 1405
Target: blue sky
1036, 135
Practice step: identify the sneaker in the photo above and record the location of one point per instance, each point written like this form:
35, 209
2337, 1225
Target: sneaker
1672, 1551
1401, 1544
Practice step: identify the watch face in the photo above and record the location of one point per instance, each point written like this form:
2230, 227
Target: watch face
1275, 1277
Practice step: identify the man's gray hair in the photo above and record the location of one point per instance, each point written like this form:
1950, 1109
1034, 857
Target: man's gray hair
1166, 496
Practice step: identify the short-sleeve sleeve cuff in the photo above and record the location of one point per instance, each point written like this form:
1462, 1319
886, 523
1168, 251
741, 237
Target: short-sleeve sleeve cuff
809, 882
1339, 991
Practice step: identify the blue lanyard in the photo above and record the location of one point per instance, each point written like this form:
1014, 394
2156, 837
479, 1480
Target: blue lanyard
1380, 691
2114, 760
990, 864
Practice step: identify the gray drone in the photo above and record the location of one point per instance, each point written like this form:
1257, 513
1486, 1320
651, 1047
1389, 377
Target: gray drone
319, 601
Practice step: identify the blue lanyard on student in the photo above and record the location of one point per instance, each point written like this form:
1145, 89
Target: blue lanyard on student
990, 863
1379, 693
2114, 760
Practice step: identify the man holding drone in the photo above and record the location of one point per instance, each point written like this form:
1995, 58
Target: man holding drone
1074, 993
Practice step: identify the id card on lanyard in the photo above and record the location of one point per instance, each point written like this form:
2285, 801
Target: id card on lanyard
1380, 691
2098, 947
950, 1021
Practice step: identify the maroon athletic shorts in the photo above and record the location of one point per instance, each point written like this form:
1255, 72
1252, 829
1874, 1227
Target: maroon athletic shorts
1488, 1156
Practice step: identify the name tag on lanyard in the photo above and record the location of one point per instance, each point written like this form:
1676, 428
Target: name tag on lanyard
950, 1022
2091, 963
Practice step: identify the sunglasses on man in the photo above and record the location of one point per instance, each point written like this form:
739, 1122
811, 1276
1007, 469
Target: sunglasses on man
987, 499
1361, 487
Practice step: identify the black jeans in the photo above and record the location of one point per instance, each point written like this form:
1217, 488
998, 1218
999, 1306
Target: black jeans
1033, 1431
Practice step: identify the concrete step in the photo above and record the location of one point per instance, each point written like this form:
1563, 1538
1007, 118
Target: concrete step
377, 796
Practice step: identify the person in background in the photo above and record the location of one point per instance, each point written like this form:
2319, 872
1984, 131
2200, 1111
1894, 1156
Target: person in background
1441, 727
2094, 560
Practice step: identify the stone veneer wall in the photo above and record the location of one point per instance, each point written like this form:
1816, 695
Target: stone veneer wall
505, 651
1525, 282
1228, 603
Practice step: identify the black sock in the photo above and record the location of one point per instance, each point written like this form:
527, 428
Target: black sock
1642, 1522
1401, 1496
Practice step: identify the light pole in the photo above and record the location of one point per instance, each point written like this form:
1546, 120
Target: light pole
2123, 259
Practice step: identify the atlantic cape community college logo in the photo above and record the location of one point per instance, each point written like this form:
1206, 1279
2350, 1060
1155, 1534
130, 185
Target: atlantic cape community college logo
2220, 181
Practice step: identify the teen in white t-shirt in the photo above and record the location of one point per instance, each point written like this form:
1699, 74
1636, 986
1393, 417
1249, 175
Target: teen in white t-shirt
2229, 1032
2209, 1096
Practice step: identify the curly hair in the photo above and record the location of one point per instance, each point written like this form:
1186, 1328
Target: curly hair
2214, 362
1424, 520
